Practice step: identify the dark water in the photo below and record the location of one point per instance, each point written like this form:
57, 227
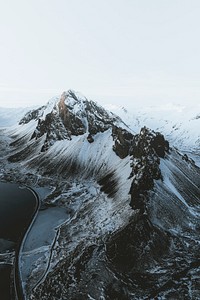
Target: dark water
17, 206
5, 274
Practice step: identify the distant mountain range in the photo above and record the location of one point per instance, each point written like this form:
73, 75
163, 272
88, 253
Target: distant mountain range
11, 116
179, 123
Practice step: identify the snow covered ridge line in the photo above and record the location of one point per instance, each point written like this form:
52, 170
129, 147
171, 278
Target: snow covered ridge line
78, 138
179, 124
85, 128
70, 115
108, 250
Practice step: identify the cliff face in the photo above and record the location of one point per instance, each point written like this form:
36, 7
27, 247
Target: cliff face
68, 116
147, 149
72, 123
123, 140
141, 244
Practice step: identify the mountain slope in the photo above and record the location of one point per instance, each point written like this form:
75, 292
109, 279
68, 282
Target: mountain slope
131, 201
11, 116
178, 123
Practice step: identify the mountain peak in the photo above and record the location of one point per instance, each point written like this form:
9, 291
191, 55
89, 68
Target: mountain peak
97, 171
69, 115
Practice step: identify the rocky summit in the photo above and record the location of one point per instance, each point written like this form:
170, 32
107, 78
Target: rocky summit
120, 209
68, 116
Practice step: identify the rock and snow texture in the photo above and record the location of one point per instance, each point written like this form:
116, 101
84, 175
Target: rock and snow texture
69, 116
179, 124
132, 206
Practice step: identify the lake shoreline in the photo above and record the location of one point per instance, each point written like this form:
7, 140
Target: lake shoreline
20, 203
19, 283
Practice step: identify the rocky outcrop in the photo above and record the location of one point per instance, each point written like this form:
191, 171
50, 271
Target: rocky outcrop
90, 138
138, 246
72, 123
148, 141
122, 141
147, 148
31, 115
67, 116
53, 128
141, 244
98, 118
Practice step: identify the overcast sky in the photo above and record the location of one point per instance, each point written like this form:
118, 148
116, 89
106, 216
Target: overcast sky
112, 51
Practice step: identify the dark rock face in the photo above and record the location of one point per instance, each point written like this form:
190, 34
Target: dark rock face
53, 128
149, 141
123, 140
90, 138
59, 124
138, 246
70, 116
98, 119
146, 149
160, 145
32, 115
141, 244
72, 123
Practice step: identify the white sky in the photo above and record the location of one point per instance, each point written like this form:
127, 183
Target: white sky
117, 51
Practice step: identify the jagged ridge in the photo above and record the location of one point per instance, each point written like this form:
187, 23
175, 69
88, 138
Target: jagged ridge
79, 140
69, 116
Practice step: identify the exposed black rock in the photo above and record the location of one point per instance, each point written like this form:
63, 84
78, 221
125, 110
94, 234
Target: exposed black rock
31, 115
147, 146
90, 138
70, 116
53, 128
141, 244
72, 123
138, 246
159, 144
147, 141
123, 140
98, 118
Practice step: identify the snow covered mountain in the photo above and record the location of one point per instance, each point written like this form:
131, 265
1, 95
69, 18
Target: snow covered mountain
11, 116
130, 205
179, 124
